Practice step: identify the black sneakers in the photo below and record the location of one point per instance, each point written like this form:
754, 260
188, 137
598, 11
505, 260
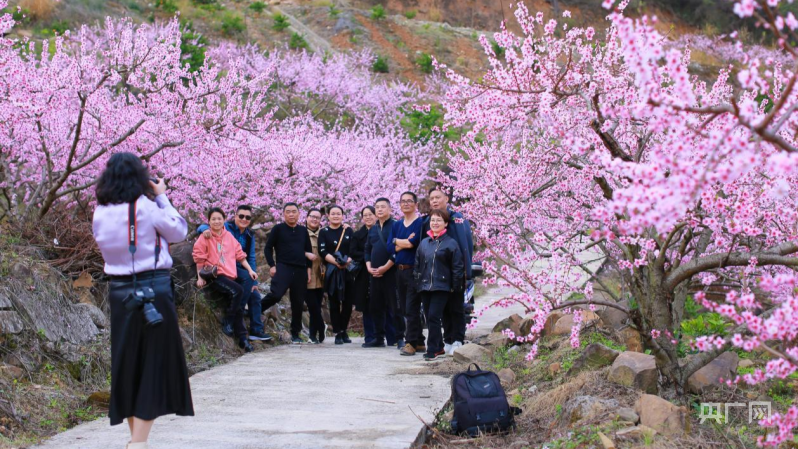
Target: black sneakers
314, 341
345, 337
259, 336
243, 343
338, 339
227, 329
374, 344
430, 357
296, 340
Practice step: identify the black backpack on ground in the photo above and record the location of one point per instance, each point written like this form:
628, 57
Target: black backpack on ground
480, 404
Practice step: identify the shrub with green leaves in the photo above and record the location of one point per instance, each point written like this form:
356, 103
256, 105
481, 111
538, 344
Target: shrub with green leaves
297, 41
258, 7
377, 12
410, 14
168, 6
192, 47
232, 24
280, 22
333, 11
380, 65
424, 61
498, 50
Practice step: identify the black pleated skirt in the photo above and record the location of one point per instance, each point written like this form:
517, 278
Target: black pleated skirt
149, 377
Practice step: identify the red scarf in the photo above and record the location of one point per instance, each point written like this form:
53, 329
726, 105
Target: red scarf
429, 233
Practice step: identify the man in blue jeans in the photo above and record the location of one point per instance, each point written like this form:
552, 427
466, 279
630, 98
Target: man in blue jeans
239, 227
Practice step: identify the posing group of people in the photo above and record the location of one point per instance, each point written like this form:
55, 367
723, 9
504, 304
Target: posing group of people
390, 270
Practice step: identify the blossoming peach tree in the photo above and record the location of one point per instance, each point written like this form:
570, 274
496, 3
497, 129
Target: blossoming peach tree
227, 133
587, 145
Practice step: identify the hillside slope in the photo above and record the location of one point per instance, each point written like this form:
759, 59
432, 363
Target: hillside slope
401, 31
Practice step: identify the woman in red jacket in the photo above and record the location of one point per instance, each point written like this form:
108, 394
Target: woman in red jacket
222, 250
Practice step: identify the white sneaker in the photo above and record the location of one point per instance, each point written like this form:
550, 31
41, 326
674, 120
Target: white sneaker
455, 345
447, 349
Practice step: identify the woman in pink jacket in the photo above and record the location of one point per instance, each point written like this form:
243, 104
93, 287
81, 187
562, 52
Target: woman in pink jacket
222, 250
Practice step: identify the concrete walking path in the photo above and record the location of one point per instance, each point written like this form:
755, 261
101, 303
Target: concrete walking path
308, 396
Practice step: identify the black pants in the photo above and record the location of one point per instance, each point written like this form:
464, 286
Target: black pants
234, 314
454, 326
313, 299
341, 309
409, 297
434, 308
383, 298
295, 279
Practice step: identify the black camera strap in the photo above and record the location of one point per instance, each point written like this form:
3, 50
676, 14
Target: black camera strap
132, 239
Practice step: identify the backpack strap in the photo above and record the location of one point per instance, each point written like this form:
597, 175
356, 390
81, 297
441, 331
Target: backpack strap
474, 364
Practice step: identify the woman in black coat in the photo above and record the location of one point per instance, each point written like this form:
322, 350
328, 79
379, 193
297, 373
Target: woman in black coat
359, 280
439, 271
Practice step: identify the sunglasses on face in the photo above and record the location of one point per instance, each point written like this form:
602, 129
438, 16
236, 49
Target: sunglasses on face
244, 217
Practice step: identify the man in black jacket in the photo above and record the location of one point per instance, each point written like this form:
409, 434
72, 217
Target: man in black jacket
291, 242
380, 264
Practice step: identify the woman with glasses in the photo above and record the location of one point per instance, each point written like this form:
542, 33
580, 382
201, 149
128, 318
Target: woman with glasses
315, 292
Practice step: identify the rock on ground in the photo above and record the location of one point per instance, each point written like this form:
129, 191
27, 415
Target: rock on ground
595, 355
662, 416
708, 378
587, 409
636, 370
471, 353
512, 322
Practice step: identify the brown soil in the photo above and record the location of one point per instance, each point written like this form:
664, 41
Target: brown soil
386, 48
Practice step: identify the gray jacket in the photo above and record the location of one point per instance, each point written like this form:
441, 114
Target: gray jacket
439, 265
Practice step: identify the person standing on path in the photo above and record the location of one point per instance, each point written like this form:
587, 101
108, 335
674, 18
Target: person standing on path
315, 294
292, 269
361, 278
223, 251
405, 237
239, 228
454, 325
380, 264
334, 246
149, 377
439, 272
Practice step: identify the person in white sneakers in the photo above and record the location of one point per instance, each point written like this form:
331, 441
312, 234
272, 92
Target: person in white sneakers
439, 274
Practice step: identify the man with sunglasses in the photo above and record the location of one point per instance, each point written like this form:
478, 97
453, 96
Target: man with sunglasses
239, 227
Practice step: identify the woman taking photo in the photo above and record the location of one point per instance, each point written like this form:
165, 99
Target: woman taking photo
133, 226
334, 247
359, 279
222, 251
438, 272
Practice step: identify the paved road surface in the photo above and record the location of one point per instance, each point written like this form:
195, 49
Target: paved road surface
305, 396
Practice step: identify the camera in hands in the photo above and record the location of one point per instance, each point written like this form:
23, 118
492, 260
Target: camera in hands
142, 299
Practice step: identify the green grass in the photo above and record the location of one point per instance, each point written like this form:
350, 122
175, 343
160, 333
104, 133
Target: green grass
297, 41
380, 65
377, 12
232, 24
410, 14
424, 61
280, 22
333, 11
504, 358
258, 7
